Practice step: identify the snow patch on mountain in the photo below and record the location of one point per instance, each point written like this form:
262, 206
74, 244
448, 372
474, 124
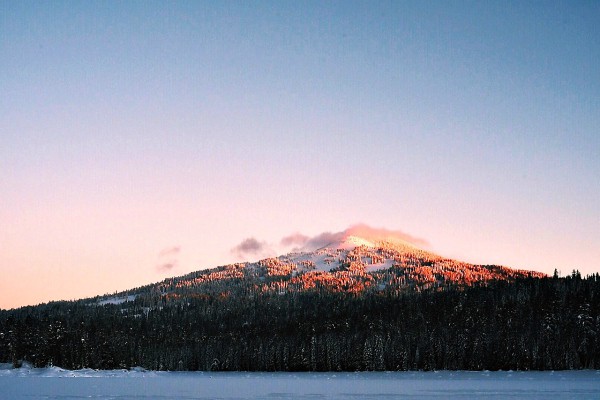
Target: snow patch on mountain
117, 300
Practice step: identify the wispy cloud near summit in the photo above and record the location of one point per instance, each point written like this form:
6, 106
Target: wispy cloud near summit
295, 239
253, 248
362, 231
168, 259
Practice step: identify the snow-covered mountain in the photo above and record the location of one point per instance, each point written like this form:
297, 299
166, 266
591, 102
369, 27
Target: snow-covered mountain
357, 260
347, 301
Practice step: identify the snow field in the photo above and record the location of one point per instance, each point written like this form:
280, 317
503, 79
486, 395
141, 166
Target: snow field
56, 383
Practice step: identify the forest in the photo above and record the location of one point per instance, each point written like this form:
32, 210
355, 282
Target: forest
548, 323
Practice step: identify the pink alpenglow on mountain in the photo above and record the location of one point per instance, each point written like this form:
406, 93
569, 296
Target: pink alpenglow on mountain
359, 259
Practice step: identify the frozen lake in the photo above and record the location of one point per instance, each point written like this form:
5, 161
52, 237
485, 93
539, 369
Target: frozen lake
54, 383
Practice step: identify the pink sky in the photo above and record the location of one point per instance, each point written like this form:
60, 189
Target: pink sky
129, 130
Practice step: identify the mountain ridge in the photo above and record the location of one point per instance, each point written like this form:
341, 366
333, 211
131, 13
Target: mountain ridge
349, 305
358, 260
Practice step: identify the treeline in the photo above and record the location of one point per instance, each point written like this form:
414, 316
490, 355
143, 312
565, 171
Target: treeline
528, 324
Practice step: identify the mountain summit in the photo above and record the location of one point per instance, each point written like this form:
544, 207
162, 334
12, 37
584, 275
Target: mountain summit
361, 234
358, 260
361, 299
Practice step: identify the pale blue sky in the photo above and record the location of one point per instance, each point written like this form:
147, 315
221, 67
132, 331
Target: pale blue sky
130, 127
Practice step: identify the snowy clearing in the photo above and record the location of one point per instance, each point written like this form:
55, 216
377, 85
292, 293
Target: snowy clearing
117, 300
56, 383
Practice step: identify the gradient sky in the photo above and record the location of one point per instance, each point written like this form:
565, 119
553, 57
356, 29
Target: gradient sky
141, 140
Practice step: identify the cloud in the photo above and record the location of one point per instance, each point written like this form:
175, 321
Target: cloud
166, 266
361, 230
295, 239
169, 251
167, 258
378, 234
251, 247
322, 240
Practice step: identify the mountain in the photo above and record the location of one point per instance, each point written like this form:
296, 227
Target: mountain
358, 260
361, 299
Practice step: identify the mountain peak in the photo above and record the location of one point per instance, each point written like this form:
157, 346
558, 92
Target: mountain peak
350, 242
363, 235
357, 260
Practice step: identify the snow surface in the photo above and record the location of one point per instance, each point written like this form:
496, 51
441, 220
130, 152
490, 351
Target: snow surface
56, 383
117, 300
380, 266
331, 256
350, 242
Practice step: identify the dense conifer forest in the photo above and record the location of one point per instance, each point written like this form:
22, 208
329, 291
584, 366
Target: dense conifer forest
526, 324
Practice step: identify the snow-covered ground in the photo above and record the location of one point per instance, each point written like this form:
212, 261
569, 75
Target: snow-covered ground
116, 300
55, 383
